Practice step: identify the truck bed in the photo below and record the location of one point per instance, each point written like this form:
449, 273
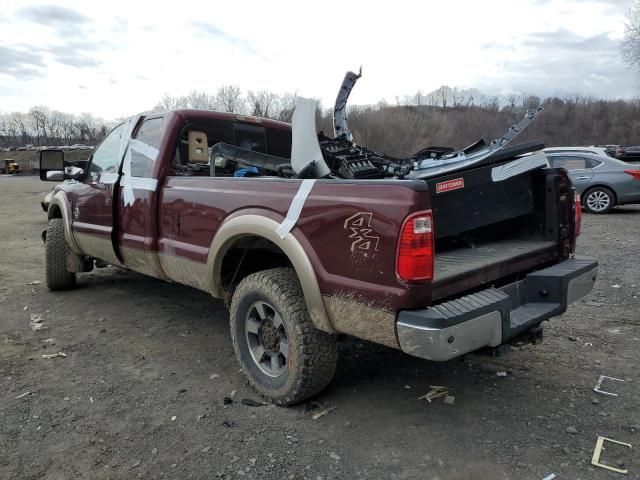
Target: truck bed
462, 268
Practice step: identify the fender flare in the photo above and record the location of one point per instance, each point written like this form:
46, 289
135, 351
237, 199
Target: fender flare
60, 201
261, 226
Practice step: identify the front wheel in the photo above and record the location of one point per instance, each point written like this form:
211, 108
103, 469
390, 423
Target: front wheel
283, 355
57, 272
598, 200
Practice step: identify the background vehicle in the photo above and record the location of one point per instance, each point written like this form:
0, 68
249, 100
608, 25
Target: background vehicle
609, 149
10, 167
602, 150
602, 182
628, 154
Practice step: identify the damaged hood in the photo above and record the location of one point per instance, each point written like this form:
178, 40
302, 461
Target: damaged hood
318, 156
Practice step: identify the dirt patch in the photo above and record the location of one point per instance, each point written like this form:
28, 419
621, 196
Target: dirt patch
140, 393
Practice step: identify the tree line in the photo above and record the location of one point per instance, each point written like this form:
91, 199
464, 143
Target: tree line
444, 117
405, 128
42, 126
230, 98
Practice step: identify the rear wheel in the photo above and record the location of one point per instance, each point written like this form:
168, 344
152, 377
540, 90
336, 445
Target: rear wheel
57, 273
598, 200
283, 355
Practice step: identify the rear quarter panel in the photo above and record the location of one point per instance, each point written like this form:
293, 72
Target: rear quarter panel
349, 231
625, 187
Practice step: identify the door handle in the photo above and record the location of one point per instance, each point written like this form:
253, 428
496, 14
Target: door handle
582, 178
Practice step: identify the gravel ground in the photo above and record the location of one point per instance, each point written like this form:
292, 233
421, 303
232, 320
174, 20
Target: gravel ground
141, 391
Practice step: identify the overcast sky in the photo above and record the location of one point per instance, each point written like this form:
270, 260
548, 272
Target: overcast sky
117, 57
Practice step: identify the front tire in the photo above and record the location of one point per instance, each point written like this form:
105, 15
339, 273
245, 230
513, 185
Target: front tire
57, 273
598, 200
285, 358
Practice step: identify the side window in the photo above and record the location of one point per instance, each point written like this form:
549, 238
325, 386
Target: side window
279, 142
592, 163
143, 158
250, 137
569, 163
106, 158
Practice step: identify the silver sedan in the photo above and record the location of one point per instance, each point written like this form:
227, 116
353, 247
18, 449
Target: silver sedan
603, 182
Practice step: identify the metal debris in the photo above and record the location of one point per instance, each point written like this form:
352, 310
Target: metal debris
501, 374
36, 322
22, 395
250, 402
435, 391
55, 355
595, 460
35, 282
323, 412
599, 384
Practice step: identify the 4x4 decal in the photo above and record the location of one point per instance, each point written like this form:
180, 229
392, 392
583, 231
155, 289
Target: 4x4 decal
365, 238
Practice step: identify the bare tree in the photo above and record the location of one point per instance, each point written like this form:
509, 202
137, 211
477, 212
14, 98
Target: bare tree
631, 42
22, 126
283, 106
38, 120
67, 128
260, 102
167, 102
200, 100
229, 97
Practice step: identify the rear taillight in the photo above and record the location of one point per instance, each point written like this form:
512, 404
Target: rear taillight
634, 173
415, 248
578, 214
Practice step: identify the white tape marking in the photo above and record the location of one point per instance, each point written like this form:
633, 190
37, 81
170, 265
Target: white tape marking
145, 149
295, 208
108, 178
128, 182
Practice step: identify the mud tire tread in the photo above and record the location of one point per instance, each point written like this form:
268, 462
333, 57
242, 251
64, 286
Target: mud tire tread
312, 352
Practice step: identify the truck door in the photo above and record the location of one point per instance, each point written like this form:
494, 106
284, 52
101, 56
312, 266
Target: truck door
92, 199
137, 235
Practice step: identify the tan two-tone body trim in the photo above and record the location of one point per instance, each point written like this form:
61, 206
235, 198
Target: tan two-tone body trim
60, 202
257, 225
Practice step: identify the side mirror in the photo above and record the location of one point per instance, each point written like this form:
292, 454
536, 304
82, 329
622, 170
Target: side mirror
51, 165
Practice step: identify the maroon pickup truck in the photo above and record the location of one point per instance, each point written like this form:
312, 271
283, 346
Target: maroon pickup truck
307, 237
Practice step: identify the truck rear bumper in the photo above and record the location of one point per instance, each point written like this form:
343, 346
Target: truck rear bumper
491, 317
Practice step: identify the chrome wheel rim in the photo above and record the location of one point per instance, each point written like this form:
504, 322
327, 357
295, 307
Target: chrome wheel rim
598, 201
267, 339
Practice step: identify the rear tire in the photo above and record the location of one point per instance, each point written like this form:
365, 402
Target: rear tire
598, 200
285, 358
57, 273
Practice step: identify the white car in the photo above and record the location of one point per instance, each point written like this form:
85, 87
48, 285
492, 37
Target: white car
592, 150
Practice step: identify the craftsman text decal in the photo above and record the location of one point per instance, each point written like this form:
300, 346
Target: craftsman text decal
449, 185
